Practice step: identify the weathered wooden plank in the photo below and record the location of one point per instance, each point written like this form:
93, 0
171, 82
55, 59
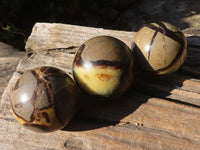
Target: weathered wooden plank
52, 36
176, 86
121, 136
111, 137
153, 113
137, 120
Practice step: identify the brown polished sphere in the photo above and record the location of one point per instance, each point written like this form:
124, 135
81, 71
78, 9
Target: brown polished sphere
103, 66
44, 99
160, 48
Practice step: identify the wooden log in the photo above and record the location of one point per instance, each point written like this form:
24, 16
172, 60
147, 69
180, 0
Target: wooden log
158, 112
46, 37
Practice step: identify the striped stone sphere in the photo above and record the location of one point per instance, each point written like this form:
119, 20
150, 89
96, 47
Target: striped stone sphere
44, 99
160, 48
103, 66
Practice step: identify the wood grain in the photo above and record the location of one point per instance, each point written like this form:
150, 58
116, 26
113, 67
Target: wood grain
158, 112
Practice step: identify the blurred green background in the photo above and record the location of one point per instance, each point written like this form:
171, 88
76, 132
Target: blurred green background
17, 17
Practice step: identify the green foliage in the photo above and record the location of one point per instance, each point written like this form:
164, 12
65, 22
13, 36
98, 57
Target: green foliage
7, 32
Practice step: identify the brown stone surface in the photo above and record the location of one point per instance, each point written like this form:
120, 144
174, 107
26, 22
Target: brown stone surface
158, 112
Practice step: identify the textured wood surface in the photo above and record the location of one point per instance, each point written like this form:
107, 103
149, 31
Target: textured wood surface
158, 112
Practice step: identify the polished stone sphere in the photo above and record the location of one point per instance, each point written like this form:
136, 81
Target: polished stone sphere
103, 66
44, 99
160, 48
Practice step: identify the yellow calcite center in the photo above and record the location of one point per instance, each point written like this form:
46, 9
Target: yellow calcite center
98, 80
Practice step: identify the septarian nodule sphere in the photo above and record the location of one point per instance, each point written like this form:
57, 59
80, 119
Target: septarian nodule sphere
160, 48
103, 66
44, 99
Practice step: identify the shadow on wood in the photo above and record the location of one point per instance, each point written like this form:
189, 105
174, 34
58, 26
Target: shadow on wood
95, 112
